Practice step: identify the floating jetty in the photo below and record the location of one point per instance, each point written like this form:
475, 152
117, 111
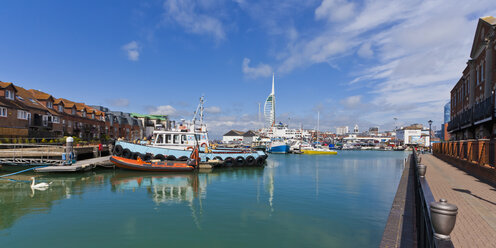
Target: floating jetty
80, 166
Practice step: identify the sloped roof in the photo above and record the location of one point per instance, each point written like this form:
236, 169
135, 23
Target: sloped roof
234, 133
4, 85
28, 98
489, 19
40, 95
250, 133
67, 103
483, 21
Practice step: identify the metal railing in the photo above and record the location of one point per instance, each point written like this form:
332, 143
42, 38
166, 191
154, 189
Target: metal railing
423, 197
480, 111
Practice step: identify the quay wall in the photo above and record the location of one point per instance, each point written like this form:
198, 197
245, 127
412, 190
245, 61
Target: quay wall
476, 157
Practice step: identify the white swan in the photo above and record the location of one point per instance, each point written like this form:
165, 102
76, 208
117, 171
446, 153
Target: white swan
39, 186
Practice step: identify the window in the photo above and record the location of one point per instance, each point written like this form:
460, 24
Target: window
168, 139
92, 116
160, 139
49, 104
482, 71
46, 119
69, 123
23, 115
20, 98
176, 138
55, 119
3, 112
183, 139
32, 100
61, 108
84, 113
73, 111
9, 94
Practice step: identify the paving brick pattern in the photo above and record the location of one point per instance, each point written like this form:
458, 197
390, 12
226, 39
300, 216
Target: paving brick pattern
476, 201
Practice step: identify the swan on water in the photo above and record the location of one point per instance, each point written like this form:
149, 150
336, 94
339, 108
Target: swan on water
40, 186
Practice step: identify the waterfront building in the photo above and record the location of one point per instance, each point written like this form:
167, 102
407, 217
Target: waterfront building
355, 129
374, 131
232, 136
35, 114
413, 135
342, 130
472, 98
151, 122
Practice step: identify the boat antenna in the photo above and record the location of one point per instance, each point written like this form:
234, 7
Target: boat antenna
199, 111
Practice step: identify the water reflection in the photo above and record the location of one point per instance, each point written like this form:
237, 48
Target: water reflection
163, 188
17, 198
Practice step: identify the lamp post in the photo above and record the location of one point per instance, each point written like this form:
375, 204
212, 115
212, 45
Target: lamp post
430, 132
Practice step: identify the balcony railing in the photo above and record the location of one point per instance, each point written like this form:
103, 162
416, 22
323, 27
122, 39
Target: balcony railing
480, 111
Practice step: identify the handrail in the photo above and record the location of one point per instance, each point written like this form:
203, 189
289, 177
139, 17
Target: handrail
423, 197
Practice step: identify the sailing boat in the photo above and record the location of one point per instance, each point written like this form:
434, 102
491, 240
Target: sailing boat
314, 150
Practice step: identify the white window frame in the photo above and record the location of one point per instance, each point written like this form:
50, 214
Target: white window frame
55, 119
9, 94
23, 115
49, 104
61, 108
73, 111
3, 112
83, 113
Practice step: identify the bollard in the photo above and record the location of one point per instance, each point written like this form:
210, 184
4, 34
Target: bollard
443, 215
69, 150
422, 168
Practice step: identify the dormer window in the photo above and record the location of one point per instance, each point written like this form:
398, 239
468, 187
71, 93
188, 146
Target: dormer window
73, 111
49, 104
84, 113
61, 108
92, 116
9, 94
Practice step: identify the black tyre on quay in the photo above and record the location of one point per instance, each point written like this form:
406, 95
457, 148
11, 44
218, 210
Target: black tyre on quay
240, 161
228, 162
170, 157
250, 161
118, 150
126, 153
260, 161
160, 157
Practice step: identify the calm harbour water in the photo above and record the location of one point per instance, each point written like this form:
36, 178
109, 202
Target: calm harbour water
294, 201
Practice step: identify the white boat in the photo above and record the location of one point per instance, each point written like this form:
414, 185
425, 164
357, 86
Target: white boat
178, 142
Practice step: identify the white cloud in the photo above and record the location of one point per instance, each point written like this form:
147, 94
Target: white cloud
133, 50
162, 110
365, 51
188, 14
261, 70
213, 110
334, 10
352, 101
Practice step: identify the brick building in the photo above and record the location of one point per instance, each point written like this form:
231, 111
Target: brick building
36, 114
472, 98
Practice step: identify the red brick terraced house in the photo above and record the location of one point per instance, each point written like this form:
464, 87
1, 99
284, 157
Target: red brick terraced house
473, 97
36, 114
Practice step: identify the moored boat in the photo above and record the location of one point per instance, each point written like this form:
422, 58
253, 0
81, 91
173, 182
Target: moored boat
318, 151
159, 166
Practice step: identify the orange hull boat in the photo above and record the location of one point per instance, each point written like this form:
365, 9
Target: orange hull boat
141, 165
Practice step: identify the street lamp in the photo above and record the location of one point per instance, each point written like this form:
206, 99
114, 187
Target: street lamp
430, 132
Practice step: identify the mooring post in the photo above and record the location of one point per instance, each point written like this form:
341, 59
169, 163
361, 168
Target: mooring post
69, 150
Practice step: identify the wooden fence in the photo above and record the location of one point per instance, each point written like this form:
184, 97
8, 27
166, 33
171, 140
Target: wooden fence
481, 152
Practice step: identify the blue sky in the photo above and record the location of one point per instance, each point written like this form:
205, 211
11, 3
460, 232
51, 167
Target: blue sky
357, 62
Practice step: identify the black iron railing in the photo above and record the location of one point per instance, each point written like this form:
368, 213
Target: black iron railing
480, 111
423, 197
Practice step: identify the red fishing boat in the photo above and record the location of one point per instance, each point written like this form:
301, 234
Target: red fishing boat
157, 165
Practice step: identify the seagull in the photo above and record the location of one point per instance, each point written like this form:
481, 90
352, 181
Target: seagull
39, 186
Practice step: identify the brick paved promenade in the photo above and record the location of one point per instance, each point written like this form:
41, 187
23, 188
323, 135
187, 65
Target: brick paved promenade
476, 201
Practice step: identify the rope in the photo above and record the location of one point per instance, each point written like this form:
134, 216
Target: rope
11, 174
